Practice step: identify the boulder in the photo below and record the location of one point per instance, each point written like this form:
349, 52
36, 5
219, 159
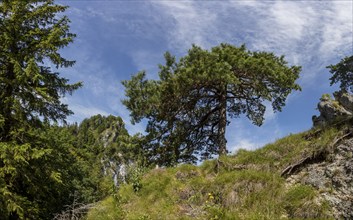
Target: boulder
330, 109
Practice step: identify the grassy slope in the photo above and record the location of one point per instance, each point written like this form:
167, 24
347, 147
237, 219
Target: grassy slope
247, 185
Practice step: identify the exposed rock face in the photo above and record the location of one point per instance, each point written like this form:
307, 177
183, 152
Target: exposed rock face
345, 99
330, 109
333, 179
107, 133
113, 165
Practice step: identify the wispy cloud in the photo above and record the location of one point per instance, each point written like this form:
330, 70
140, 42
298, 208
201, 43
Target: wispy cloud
304, 31
308, 33
85, 112
190, 22
338, 30
148, 61
101, 64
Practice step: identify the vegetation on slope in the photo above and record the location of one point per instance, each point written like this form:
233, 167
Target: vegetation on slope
247, 185
99, 145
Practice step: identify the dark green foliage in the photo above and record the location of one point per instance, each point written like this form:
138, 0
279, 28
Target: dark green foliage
35, 177
108, 136
63, 163
32, 34
188, 107
342, 73
105, 145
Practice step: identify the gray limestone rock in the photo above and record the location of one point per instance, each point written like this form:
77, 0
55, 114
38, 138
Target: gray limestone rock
330, 109
333, 179
345, 100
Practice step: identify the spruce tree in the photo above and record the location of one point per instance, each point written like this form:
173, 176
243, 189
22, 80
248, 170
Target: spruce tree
32, 32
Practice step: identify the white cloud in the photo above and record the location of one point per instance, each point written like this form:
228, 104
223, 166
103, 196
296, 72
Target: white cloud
338, 29
242, 134
246, 144
81, 112
284, 26
305, 31
290, 20
192, 23
250, 137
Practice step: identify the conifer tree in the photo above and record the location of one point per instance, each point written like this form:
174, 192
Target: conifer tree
31, 34
342, 73
189, 107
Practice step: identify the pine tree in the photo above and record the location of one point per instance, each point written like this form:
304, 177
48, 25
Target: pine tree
189, 107
31, 34
342, 73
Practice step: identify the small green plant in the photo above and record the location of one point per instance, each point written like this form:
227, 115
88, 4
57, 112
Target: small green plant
134, 177
214, 210
325, 97
301, 203
144, 217
136, 185
109, 208
336, 104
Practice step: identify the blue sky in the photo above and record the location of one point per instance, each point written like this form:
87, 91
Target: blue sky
116, 39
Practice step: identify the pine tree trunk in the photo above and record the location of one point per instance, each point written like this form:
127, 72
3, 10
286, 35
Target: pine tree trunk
222, 142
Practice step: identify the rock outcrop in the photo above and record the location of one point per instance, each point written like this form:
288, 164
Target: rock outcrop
113, 162
330, 109
333, 178
106, 134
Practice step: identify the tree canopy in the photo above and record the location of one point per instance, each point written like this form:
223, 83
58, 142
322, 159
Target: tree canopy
32, 34
32, 160
342, 73
189, 106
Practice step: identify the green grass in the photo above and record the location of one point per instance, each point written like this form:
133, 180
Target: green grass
247, 185
108, 209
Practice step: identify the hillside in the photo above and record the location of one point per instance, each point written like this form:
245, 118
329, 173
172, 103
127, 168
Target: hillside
306, 175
